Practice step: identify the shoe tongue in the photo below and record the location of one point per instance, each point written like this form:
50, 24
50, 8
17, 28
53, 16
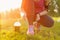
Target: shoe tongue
30, 29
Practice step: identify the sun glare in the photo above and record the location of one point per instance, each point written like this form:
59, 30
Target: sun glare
6, 5
22, 14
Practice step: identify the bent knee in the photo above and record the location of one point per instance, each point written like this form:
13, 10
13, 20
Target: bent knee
50, 24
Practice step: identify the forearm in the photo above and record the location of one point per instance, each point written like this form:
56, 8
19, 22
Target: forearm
43, 13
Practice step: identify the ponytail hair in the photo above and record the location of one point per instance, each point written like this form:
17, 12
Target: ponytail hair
47, 2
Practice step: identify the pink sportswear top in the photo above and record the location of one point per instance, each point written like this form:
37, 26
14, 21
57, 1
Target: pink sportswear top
39, 6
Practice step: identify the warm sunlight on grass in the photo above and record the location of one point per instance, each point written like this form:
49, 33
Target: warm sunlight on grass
56, 18
53, 33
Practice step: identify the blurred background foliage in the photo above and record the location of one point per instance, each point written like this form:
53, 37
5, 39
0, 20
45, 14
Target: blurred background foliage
54, 8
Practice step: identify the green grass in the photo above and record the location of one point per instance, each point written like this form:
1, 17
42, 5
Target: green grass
7, 32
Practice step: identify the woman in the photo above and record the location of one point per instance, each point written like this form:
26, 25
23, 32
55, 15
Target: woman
34, 7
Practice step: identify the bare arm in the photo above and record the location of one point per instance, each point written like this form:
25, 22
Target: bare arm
43, 13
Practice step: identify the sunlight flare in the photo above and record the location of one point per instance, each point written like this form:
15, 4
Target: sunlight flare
6, 5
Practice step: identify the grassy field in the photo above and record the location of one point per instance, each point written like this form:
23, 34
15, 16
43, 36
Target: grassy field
7, 31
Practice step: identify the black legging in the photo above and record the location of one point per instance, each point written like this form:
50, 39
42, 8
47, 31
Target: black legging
46, 21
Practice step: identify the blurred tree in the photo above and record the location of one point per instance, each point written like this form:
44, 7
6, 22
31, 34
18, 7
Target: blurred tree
54, 8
